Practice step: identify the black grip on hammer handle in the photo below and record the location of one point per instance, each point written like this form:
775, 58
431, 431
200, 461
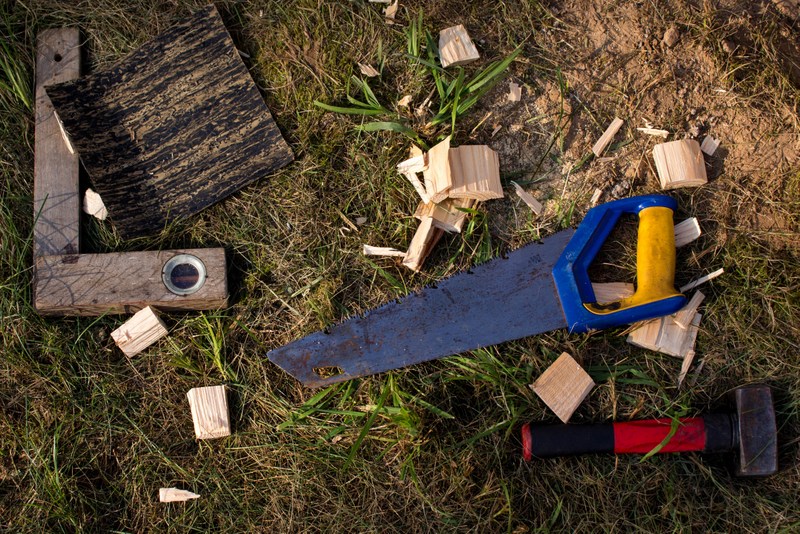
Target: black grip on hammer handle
548, 441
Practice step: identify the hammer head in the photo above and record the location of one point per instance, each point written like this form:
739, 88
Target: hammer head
758, 434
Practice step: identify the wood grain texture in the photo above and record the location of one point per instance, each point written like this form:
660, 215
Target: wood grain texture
456, 47
139, 332
209, 407
607, 136
680, 164
56, 201
96, 284
475, 173
563, 386
174, 127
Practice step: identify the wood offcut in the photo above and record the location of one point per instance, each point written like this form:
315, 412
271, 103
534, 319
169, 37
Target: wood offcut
139, 332
171, 129
680, 164
209, 407
456, 47
475, 173
607, 136
563, 386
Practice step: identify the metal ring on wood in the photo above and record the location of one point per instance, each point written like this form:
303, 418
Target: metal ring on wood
184, 274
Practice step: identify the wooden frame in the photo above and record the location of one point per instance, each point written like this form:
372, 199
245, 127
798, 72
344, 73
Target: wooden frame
69, 283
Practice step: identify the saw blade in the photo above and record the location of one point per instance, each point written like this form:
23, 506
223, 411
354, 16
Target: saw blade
501, 300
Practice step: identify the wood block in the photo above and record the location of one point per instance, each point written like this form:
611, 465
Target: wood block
139, 332
687, 231
173, 128
607, 136
475, 173
709, 145
456, 47
563, 386
421, 244
684, 317
680, 164
663, 335
438, 175
175, 495
210, 412
56, 199
96, 284
606, 292
446, 215
535, 206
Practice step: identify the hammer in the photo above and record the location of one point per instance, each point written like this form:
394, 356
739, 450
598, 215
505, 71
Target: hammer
752, 429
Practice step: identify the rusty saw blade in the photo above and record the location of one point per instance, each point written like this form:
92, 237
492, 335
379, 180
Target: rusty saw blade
501, 300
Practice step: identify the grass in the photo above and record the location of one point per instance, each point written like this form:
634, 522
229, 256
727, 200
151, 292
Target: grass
88, 436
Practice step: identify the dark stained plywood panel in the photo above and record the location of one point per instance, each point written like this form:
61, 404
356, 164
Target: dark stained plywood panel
174, 127
125, 282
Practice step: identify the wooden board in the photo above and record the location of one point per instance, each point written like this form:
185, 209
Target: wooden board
563, 386
173, 128
680, 164
96, 284
209, 407
139, 332
56, 201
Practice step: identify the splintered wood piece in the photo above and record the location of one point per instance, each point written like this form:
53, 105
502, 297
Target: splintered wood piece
415, 164
654, 131
446, 214
455, 47
702, 280
709, 145
175, 495
93, 205
126, 282
173, 128
405, 101
418, 187
596, 197
687, 231
56, 197
684, 316
475, 173
607, 136
139, 332
685, 365
563, 386
382, 251
606, 292
663, 335
680, 164
438, 178
514, 92
421, 244
368, 70
528, 199
390, 12
209, 412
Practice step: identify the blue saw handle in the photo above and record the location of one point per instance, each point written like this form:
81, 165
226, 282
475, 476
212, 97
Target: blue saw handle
655, 266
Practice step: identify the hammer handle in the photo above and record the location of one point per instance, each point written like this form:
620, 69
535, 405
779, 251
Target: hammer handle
709, 433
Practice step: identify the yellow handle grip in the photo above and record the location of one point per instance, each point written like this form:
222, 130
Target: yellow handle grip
655, 262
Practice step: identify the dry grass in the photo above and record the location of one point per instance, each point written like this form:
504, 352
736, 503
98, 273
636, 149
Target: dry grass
89, 436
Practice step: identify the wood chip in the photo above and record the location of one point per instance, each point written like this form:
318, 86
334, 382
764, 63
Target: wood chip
563, 386
709, 145
514, 92
405, 101
654, 131
529, 199
446, 214
702, 280
475, 173
438, 178
209, 412
680, 164
382, 251
496, 129
391, 12
139, 332
361, 221
413, 164
421, 244
93, 205
607, 292
686, 232
685, 365
456, 47
607, 136
368, 70
596, 197
663, 335
175, 495
684, 316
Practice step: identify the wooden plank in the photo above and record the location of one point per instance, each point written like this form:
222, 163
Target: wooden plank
56, 200
607, 136
687, 231
563, 386
475, 173
139, 332
175, 495
680, 164
210, 416
173, 128
96, 284
456, 47
438, 175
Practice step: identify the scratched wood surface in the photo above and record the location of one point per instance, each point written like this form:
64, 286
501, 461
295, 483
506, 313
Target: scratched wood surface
56, 204
124, 282
174, 127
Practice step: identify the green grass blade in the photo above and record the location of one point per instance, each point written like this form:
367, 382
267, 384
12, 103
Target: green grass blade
368, 425
393, 127
349, 111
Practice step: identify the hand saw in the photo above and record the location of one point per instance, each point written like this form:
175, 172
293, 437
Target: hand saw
539, 287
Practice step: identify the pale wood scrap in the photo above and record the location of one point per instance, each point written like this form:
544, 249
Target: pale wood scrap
596, 197
56, 197
606, 292
414, 164
446, 214
528, 199
175, 495
607, 136
654, 131
687, 231
684, 316
390, 12
382, 251
475, 173
514, 92
139, 332
709, 145
663, 335
93, 205
685, 365
368, 70
702, 280
438, 178
126, 282
680, 164
209, 412
563, 386
405, 101
421, 244
455, 47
